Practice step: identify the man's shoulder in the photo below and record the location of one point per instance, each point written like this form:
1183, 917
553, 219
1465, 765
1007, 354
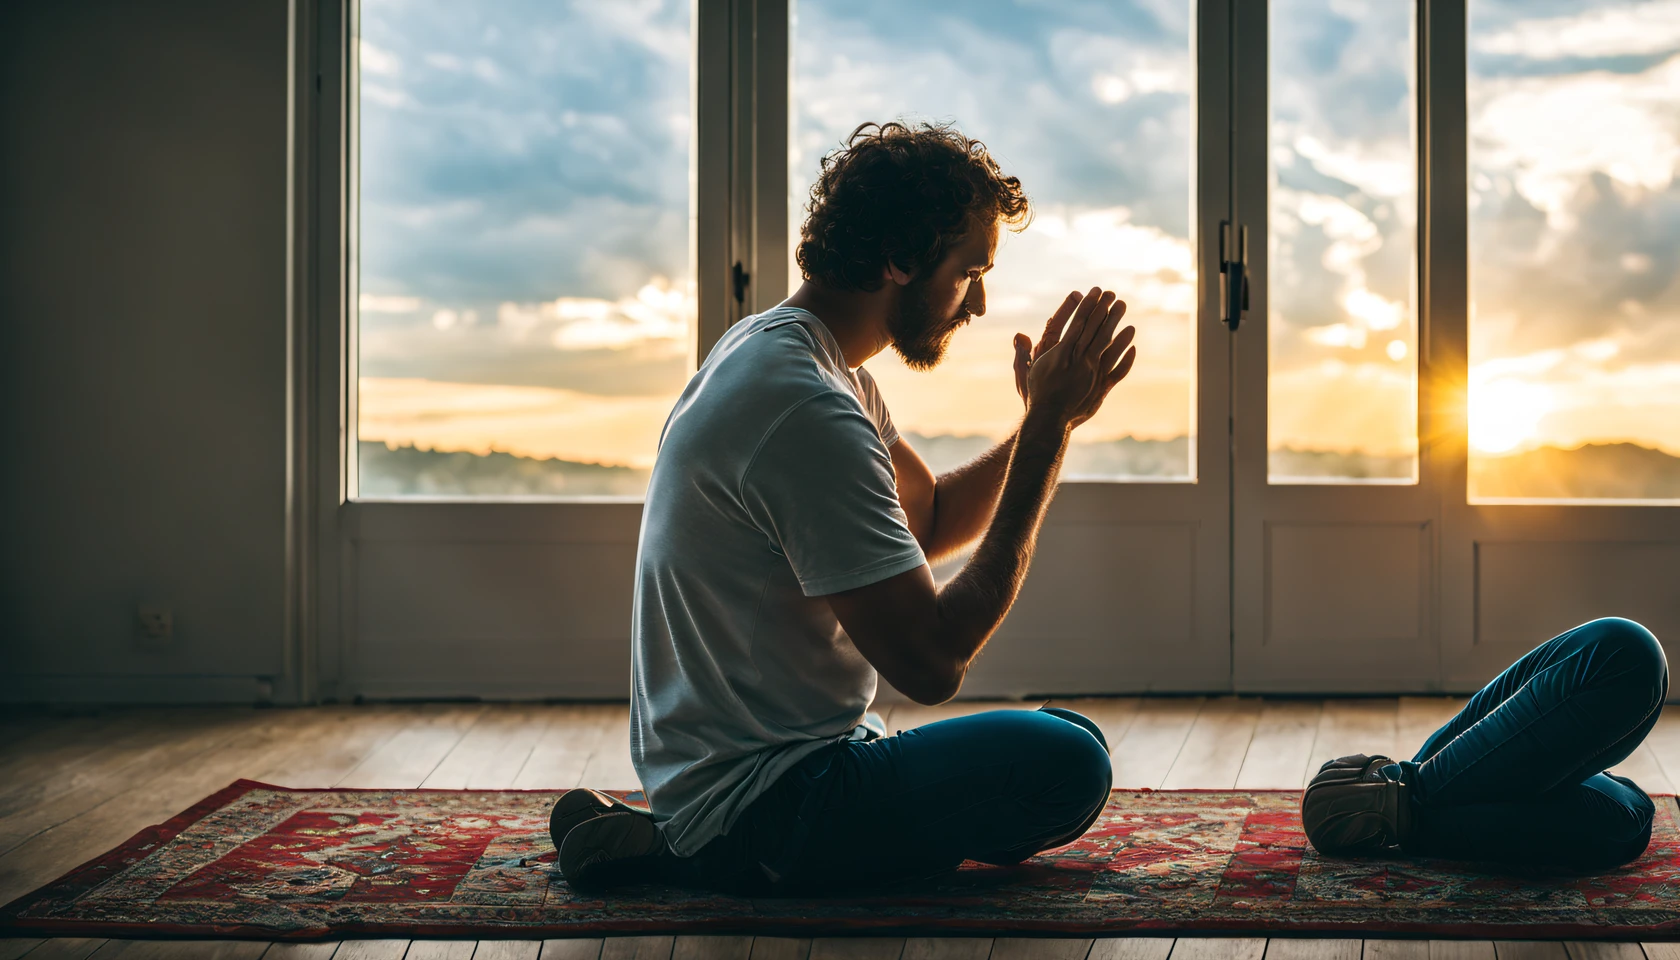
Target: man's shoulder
776, 359
755, 380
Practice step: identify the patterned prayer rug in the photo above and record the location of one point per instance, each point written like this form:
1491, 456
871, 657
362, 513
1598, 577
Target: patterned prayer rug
266, 862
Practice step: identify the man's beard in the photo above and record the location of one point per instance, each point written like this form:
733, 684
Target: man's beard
919, 335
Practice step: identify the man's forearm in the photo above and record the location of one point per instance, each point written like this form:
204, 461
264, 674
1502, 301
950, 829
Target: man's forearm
963, 500
973, 604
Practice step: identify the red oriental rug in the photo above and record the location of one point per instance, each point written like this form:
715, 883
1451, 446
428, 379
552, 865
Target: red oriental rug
266, 862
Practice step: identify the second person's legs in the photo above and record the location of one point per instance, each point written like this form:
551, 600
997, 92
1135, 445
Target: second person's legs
1517, 776
1578, 703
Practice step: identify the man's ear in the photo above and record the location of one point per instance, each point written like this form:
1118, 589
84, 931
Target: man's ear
897, 275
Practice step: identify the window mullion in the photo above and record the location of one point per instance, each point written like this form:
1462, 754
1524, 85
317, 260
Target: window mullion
1443, 337
772, 68
711, 202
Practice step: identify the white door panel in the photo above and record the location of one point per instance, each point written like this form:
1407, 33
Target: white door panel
1113, 608
1529, 590
495, 600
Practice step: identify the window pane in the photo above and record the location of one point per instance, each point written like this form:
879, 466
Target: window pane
1090, 105
1342, 387
1574, 249
527, 301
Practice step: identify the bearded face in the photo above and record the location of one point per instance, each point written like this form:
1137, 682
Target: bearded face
921, 329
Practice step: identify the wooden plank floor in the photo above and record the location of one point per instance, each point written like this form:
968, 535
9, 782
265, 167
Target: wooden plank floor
74, 785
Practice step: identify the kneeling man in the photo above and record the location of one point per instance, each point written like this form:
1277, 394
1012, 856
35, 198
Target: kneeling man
783, 565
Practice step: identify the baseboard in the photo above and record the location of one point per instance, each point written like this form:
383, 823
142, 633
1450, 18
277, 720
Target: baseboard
61, 688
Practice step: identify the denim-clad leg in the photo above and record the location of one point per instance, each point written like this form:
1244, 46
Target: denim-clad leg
1518, 775
996, 787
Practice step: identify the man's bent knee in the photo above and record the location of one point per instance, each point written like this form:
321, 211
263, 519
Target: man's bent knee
1079, 720
1060, 763
1070, 776
1080, 763
1628, 647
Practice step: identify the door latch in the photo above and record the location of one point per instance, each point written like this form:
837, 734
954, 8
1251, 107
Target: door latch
740, 277
1233, 274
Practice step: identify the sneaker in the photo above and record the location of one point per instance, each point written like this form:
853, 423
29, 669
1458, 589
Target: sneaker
1354, 806
609, 849
576, 806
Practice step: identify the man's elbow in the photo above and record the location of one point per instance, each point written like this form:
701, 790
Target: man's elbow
936, 685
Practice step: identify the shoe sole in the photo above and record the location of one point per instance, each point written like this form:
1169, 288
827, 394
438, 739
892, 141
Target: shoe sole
594, 845
580, 806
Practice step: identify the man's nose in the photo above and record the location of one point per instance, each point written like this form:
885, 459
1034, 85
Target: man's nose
975, 302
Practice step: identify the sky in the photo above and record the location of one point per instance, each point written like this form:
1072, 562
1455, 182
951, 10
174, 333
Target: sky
1575, 223
525, 218
524, 256
1342, 330
1090, 105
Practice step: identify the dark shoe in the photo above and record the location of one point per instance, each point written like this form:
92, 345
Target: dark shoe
1353, 807
576, 806
610, 849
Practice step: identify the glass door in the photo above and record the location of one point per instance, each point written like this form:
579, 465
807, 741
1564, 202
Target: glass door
1335, 512
1113, 115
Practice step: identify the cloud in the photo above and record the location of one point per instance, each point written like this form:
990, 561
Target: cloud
1321, 287
524, 150
635, 345
1381, 168
388, 303
658, 318
1575, 229
1605, 31
376, 62
1548, 132
1089, 104
1342, 220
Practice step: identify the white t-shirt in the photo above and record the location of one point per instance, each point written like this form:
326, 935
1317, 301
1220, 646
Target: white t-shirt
772, 488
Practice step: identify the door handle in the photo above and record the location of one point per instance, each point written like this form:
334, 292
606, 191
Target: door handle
1233, 274
739, 277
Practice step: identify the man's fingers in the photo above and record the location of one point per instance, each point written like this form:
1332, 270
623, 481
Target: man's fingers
1091, 310
1120, 370
1056, 324
1023, 360
1111, 353
1104, 328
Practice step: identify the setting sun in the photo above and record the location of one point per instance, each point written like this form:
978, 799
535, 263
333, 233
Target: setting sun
1504, 414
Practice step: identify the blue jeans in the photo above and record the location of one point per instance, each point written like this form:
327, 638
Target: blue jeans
1518, 776
996, 787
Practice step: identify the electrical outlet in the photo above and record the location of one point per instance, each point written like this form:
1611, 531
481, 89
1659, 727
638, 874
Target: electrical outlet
156, 623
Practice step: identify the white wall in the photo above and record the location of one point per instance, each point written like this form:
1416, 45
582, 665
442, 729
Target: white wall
143, 281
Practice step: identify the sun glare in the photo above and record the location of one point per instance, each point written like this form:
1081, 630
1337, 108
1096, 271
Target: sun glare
1506, 413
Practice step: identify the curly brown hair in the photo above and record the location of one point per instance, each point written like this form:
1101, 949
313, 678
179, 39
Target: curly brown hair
902, 194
